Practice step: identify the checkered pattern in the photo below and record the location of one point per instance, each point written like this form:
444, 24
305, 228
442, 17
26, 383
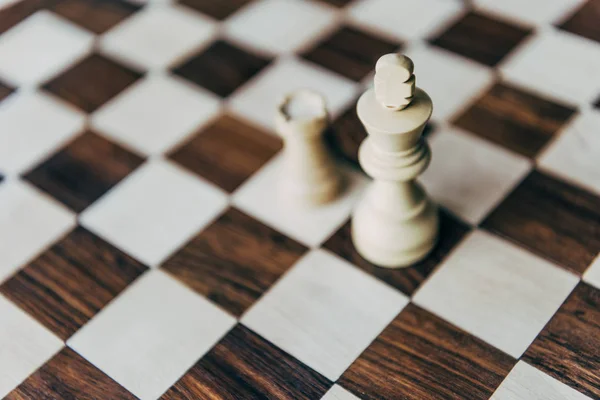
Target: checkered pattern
144, 253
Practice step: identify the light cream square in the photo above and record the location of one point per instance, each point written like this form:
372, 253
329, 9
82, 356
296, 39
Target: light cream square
154, 210
261, 196
158, 37
557, 64
155, 114
471, 176
496, 291
30, 221
32, 126
258, 100
279, 26
575, 153
151, 334
525, 382
26, 345
40, 47
451, 81
406, 19
325, 312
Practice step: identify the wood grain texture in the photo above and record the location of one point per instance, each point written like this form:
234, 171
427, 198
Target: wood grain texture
420, 356
234, 261
69, 376
481, 38
69, 283
97, 16
515, 119
219, 9
552, 218
227, 152
568, 348
17, 12
84, 170
350, 52
92, 82
222, 68
407, 280
585, 21
245, 366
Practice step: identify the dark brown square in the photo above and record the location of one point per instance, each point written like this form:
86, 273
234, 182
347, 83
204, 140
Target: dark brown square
481, 38
585, 21
17, 12
552, 218
69, 376
345, 135
84, 170
222, 68
338, 3
235, 260
515, 119
97, 16
245, 366
92, 82
5, 91
219, 9
421, 356
350, 52
568, 348
227, 152
69, 283
408, 279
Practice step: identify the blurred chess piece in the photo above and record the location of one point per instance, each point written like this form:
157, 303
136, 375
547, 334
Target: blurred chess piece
310, 176
395, 224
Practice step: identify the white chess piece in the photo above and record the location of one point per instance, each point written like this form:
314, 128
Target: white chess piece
394, 224
310, 175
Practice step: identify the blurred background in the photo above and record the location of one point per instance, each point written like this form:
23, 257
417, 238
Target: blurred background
138, 143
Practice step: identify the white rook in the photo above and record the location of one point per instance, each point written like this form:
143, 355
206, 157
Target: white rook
395, 224
310, 176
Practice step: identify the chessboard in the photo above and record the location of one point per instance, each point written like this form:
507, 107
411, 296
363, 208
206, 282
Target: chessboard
145, 254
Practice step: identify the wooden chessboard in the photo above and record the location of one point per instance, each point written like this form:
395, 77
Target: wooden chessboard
144, 252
